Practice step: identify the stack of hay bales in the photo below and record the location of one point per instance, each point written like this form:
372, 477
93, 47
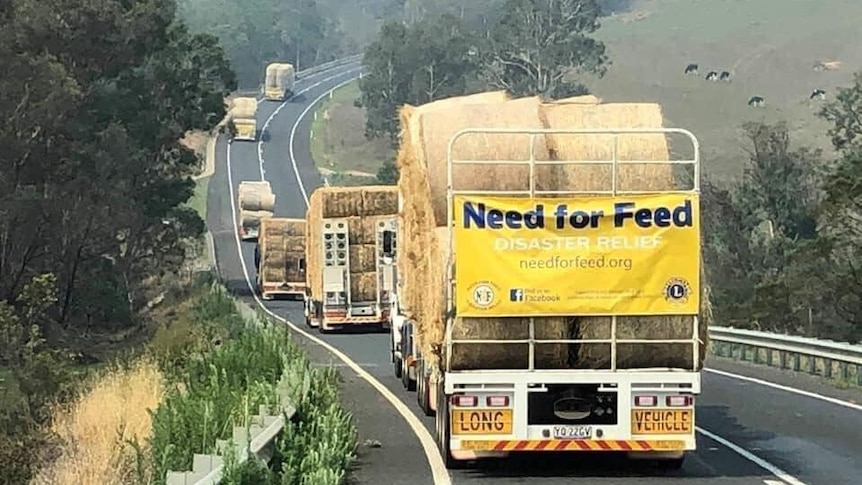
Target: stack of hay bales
364, 208
243, 108
422, 160
642, 177
256, 202
283, 241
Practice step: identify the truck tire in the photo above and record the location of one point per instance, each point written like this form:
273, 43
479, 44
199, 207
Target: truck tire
443, 432
423, 394
406, 381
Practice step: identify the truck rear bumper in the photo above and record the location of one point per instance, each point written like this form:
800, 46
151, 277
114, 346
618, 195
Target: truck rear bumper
646, 412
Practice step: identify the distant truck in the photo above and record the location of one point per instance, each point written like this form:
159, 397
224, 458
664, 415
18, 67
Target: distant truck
256, 202
279, 81
350, 258
242, 119
280, 258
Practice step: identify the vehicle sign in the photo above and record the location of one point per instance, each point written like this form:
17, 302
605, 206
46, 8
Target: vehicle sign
481, 421
663, 421
573, 432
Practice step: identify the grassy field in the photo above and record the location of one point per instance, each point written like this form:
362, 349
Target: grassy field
769, 47
338, 143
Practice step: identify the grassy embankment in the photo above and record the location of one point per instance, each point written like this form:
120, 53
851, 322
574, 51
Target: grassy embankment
207, 368
338, 145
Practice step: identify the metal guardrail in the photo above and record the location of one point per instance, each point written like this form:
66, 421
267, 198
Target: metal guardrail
833, 360
253, 440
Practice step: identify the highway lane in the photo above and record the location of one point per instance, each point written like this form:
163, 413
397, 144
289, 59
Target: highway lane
740, 412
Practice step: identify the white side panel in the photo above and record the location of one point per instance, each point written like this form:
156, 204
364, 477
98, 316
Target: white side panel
333, 279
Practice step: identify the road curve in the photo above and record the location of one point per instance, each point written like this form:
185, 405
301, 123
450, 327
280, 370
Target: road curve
750, 433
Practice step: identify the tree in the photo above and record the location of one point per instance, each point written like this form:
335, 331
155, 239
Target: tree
761, 231
413, 64
843, 205
537, 45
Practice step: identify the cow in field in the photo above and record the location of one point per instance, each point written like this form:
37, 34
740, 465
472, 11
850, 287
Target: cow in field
712, 76
724, 76
817, 94
756, 102
691, 69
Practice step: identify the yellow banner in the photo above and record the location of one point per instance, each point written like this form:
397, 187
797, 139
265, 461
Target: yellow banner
622, 255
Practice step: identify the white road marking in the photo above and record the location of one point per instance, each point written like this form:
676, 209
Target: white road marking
272, 116
793, 390
293, 137
435, 461
773, 482
787, 479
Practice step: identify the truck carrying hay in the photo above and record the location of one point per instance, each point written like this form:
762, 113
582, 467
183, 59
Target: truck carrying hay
279, 81
280, 257
363, 208
242, 119
256, 201
426, 131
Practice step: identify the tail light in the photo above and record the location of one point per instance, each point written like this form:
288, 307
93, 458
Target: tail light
497, 401
646, 401
465, 401
679, 401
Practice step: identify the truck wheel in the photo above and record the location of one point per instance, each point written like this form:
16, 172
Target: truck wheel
406, 381
443, 431
423, 394
397, 366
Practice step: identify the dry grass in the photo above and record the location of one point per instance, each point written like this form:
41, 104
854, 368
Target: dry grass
338, 143
769, 47
95, 428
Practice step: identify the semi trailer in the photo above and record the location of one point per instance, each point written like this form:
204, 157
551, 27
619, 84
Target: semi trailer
500, 244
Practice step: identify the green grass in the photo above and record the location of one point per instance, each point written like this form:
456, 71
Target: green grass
198, 202
338, 144
769, 46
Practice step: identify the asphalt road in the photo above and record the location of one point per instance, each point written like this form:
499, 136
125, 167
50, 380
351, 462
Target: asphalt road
749, 433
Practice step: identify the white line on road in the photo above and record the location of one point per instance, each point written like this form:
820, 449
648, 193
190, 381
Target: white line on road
793, 390
293, 136
438, 469
272, 116
787, 478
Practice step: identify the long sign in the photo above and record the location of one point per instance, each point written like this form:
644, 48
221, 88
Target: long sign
631, 255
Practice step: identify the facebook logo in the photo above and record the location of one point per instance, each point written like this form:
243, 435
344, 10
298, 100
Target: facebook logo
516, 294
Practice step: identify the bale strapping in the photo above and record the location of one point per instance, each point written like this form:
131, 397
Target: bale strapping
379, 200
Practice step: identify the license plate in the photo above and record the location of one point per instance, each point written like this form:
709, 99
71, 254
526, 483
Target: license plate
573, 432
662, 421
481, 421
